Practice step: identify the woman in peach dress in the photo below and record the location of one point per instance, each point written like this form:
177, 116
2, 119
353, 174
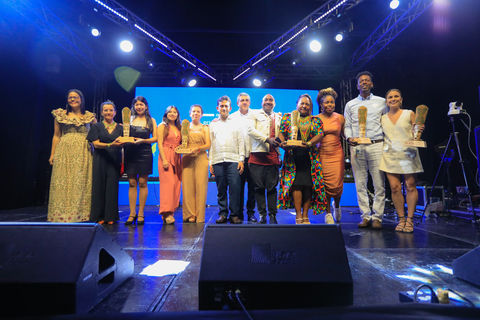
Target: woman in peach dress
331, 152
169, 163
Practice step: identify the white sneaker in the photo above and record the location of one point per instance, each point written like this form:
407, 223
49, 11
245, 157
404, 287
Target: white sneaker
329, 219
338, 213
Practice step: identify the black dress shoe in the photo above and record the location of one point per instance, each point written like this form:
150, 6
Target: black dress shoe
263, 220
251, 218
222, 219
235, 220
273, 219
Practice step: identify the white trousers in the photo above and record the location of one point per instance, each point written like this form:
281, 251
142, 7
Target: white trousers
366, 158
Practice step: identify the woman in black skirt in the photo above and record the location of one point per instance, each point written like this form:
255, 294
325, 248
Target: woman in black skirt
107, 160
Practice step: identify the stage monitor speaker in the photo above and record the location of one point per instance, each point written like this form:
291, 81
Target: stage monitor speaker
477, 143
466, 267
58, 268
274, 267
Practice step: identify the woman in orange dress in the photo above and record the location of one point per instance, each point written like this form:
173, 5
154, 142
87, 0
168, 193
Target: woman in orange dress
195, 169
169, 163
331, 152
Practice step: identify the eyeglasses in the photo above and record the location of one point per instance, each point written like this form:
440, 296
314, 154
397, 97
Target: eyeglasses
74, 98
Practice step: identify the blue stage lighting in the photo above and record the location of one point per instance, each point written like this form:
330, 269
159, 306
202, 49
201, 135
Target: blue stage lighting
315, 46
126, 46
257, 82
96, 32
394, 4
339, 37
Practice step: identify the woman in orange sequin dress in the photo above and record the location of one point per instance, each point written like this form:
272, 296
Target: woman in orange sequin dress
331, 152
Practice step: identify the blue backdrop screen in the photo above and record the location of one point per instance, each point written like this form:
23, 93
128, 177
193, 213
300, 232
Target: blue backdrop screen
159, 98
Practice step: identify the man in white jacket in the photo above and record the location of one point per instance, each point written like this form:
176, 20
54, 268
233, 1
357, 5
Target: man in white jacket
263, 127
226, 157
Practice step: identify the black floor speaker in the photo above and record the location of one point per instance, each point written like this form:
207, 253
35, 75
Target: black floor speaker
466, 267
50, 268
274, 267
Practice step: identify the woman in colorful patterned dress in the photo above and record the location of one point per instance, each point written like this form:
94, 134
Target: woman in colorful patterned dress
71, 157
301, 184
169, 163
331, 152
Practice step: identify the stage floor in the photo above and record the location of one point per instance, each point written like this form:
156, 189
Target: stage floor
382, 262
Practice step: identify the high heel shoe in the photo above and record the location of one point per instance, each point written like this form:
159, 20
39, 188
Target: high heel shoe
130, 222
140, 222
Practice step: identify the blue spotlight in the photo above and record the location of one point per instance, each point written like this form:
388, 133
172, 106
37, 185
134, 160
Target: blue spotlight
126, 46
96, 32
394, 4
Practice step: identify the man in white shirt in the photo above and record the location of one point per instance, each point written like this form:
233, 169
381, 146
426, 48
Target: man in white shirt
240, 116
226, 156
263, 127
366, 158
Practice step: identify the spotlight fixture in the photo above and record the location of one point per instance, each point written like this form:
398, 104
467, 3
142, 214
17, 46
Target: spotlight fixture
192, 82
257, 82
268, 74
151, 64
394, 4
339, 37
96, 32
297, 57
315, 45
126, 46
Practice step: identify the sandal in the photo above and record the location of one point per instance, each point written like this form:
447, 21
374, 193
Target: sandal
140, 222
169, 219
306, 221
299, 221
191, 219
401, 225
408, 226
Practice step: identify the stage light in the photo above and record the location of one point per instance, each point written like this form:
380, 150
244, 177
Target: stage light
126, 46
192, 83
257, 82
96, 32
394, 4
151, 64
339, 37
315, 46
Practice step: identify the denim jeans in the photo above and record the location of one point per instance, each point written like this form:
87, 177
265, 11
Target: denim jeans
228, 177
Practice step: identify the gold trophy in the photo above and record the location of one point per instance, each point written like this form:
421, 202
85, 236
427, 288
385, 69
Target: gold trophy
362, 126
126, 116
292, 141
182, 149
421, 116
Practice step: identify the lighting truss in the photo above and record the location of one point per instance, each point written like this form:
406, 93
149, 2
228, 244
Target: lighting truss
391, 27
47, 22
125, 18
317, 19
224, 71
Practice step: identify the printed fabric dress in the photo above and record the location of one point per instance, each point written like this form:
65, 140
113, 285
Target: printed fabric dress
170, 180
288, 173
396, 157
71, 182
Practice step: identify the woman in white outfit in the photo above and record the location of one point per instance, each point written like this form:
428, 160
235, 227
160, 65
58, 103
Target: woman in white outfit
398, 160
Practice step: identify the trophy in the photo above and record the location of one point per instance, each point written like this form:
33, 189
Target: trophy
126, 115
421, 116
362, 126
292, 141
181, 149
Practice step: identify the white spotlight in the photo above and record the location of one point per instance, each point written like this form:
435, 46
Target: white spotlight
192, 83
394, 4
96, 32
126, 46
339, 37
257, 82
315, 46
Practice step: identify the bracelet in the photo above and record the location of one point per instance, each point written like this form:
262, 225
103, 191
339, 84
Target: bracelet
108, 145
309, 144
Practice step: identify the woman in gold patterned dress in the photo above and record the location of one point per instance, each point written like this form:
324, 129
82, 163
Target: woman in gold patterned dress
71, 157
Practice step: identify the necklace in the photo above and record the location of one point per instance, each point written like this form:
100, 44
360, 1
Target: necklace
109, 127
305, 125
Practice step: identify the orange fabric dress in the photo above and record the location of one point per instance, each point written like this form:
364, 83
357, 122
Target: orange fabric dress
331, 154
170, 180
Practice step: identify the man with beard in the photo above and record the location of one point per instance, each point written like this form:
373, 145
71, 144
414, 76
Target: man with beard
241, 116
366, 158
263, 127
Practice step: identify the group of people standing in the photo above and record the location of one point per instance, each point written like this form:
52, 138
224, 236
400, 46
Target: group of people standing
243, 149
